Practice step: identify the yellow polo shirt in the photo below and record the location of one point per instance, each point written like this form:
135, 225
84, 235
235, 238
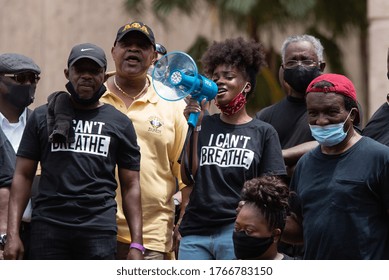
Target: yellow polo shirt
161, 130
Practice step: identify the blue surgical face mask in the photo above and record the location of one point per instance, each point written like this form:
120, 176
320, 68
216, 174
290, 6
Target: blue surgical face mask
329, 135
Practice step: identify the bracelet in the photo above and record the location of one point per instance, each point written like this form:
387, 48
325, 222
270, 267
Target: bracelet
138, 247
198, 128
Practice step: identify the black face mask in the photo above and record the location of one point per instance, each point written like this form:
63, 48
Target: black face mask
300, 77
96, 96
20, 95
248, 247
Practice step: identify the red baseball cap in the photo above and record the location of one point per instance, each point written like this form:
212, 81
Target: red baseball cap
340, 85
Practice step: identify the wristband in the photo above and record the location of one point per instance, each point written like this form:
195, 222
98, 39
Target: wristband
138, 247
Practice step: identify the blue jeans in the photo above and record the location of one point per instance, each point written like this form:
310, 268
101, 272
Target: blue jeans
216, 246
53, 242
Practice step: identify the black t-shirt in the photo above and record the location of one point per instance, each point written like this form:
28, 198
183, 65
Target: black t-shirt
228, 156
378, 126
77, 185
289, 118
343, 202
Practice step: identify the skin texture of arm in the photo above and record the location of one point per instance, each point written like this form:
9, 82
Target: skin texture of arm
293, 154
4, 197
131, 197
19, 196
192, 107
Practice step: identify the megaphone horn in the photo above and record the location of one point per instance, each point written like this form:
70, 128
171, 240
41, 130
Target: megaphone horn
175, 76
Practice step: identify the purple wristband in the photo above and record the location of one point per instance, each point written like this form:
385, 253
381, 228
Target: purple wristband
138, 247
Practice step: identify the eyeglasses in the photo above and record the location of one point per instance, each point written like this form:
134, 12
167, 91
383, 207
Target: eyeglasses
24, 77
295, 63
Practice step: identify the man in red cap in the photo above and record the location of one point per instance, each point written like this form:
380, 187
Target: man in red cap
340, 205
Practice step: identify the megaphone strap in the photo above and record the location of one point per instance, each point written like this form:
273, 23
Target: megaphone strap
186, 157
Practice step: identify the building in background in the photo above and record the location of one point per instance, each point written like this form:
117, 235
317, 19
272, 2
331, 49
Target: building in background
46, 29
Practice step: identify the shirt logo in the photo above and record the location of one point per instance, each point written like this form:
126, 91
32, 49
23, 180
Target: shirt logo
89, 139
227, 150
155, 124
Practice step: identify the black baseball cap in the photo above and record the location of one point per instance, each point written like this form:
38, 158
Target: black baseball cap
87, 50
136, 26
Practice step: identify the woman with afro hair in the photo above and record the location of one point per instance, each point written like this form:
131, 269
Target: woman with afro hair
227, 149
261, 219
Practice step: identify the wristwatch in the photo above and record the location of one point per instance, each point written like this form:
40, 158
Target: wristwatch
3, 239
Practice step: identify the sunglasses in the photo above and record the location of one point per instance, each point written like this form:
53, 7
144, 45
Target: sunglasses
24, 77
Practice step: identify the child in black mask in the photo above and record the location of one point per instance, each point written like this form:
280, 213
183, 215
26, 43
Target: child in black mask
261, 219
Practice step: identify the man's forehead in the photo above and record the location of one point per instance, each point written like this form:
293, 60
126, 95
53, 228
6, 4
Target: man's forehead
300, 48
324, 100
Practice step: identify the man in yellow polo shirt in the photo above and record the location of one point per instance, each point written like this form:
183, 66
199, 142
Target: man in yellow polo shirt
161, 130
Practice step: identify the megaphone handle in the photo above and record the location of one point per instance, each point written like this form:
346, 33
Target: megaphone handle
193, 118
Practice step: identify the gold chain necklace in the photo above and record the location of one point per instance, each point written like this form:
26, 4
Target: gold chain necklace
126, 94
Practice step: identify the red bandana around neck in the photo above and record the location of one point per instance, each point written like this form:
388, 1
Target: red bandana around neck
235, 104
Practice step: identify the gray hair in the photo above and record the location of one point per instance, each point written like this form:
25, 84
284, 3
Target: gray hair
301, 38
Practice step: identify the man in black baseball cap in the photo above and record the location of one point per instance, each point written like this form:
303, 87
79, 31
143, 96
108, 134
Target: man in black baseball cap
91, 56
90, 51
74, 213
130, 90
138, 27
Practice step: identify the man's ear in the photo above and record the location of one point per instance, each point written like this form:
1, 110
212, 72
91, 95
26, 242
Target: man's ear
355, 116
154, 58
66, 72
106, 76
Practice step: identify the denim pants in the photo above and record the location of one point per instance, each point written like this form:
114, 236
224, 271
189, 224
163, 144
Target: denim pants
216, 246
53, 242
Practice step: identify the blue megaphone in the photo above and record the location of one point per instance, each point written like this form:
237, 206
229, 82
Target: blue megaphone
175, 76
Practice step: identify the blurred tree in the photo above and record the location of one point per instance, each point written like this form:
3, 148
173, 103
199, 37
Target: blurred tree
324, 19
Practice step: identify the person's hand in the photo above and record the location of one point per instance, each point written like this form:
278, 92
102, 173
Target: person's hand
14, 249
176, 240
134, 254
192, 107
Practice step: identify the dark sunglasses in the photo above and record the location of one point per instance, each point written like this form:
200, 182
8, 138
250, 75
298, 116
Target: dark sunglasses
24, 77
